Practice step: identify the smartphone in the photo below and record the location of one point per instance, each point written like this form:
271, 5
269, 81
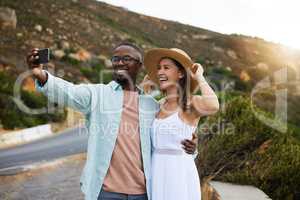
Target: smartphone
44, 56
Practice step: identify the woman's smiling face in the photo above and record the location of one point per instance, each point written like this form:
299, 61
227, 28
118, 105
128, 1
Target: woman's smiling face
168, 74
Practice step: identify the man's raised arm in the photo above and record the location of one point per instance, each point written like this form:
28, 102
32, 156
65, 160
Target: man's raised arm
58, 90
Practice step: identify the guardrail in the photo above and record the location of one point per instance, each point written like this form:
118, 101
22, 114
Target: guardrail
25, 135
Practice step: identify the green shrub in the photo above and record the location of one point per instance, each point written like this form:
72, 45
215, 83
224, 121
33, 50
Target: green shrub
246, 151
93, 71
70, 60
12, 117
220, 76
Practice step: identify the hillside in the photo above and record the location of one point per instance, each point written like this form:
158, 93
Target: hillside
97, 27
81, 34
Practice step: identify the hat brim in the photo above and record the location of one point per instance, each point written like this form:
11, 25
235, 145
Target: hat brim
154, 56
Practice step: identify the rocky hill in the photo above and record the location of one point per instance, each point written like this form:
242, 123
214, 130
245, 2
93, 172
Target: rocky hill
97, 27
81, 34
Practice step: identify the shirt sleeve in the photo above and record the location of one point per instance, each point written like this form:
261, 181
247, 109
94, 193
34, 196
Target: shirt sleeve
65, 93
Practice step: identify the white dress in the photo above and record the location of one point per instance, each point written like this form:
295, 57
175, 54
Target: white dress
174, 173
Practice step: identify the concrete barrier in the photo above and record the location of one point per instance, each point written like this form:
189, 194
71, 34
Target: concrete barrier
25, 135
228, 191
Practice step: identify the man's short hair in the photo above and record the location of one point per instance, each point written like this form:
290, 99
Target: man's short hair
138, 49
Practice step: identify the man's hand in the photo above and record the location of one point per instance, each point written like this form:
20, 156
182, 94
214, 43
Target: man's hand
190, 146
36, 68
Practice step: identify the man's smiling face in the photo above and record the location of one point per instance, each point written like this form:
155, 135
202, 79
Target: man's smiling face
126, 64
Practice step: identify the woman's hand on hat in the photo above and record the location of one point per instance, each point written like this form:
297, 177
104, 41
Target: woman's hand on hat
147, 84
197, 70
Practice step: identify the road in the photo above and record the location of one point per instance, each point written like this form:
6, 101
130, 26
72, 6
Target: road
72, 141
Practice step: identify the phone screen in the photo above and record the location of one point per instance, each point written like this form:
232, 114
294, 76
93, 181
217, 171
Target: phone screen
44, 56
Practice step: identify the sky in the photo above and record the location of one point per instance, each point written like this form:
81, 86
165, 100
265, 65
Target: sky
273, 20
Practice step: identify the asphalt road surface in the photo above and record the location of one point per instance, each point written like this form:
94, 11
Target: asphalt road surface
72, 141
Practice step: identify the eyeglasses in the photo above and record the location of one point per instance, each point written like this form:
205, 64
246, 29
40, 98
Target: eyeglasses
125, 59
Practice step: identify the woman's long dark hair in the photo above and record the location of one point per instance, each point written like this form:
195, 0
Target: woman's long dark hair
183, 83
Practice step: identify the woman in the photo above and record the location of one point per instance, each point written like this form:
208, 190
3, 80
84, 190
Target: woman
174, 174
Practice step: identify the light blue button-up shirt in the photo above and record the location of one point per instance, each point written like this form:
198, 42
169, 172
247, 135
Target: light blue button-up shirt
102, 106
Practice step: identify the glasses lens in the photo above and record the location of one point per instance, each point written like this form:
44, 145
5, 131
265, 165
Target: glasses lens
115, 59
125, 59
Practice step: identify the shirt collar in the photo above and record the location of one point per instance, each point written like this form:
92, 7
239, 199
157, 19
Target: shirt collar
116, 86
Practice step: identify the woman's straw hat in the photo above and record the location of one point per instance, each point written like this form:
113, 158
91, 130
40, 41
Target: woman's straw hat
154, 56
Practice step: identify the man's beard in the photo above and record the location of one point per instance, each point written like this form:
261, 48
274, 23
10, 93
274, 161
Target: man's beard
124, 79
120, 78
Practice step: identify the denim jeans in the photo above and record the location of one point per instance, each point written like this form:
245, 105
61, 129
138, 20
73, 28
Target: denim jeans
119, 196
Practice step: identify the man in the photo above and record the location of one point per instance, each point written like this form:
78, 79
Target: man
119, 117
